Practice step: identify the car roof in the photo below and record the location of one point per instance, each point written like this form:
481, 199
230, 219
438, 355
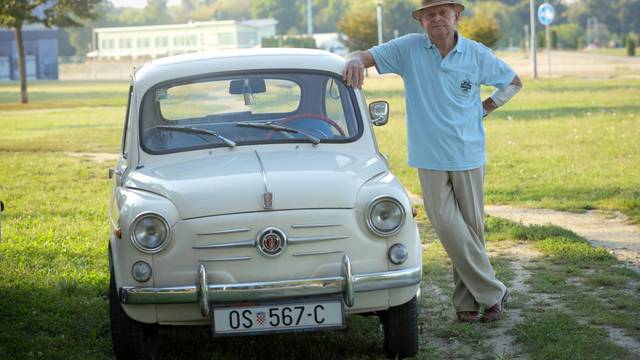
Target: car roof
207, 63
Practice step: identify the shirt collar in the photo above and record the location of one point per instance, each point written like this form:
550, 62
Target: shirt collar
458, 48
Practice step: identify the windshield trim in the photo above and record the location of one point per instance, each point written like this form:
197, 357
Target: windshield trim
203, 77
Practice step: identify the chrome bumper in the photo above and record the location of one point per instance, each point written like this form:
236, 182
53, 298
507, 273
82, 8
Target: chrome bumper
346, 284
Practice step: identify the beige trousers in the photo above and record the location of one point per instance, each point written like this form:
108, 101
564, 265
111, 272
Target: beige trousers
454, 201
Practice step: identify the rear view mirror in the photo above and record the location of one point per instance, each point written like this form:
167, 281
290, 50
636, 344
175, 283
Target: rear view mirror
247, 85
379, 112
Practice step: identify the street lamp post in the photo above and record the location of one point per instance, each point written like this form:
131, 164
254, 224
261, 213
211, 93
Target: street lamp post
533, 38
379, 14
309, 18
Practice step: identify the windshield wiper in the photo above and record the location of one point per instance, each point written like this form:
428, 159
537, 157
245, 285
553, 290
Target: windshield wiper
197, 131
275, 126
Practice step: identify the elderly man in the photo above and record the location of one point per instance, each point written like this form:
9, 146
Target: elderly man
442, 73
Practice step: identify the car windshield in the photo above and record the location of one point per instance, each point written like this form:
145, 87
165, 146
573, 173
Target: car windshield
248, 109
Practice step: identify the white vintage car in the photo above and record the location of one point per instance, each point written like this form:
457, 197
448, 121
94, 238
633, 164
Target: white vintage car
251, 196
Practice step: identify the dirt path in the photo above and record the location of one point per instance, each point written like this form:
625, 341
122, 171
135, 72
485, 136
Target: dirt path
612, 231
97, 157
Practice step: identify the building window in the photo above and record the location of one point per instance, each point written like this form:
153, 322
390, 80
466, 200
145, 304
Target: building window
162, 41
225, 38
124, 43
178, 41
246, 38
107, 43
193, 40
143, 42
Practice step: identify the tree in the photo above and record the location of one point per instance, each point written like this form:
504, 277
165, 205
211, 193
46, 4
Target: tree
326, 14
287, 12
361, 29
15, 14
396, 15
480, 28
569, 36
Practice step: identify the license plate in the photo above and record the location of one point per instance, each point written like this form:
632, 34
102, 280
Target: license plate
281, 317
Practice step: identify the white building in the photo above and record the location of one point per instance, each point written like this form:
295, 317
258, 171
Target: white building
162, 40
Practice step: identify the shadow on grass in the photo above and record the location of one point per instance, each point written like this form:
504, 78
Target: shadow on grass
361, 340
71, 321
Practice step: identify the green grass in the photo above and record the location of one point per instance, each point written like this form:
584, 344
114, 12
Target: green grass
554, 335
566, 144
48, 95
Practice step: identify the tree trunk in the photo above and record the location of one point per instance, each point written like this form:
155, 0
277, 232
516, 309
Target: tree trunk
22, 66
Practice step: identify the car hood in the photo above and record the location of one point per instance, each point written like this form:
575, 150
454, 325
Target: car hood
237, 182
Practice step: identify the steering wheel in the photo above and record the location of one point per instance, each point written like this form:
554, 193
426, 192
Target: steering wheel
322, 118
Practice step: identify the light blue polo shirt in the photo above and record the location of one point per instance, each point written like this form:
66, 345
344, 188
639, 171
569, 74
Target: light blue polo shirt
444, 109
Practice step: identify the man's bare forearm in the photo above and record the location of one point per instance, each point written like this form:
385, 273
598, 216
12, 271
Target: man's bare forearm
364, 56
502, 96
353, 73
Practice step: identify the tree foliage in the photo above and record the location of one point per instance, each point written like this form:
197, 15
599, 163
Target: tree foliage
483, 29
360, 28
287, 12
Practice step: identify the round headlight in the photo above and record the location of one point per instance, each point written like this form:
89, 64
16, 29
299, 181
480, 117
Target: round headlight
150, 233
385, 216
398, 254
141, 271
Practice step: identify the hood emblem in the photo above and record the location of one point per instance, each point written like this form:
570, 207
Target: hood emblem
272, 242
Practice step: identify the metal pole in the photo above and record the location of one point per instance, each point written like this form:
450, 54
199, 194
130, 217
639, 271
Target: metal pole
94, 50
309, 18
379, 14
549, 47
533, 38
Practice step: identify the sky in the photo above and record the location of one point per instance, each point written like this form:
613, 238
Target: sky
138, 3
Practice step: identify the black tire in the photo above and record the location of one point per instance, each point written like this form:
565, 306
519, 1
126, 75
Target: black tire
132, 340
401, 330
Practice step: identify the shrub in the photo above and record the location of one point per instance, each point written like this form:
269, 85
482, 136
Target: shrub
287, 41
554, 39
631, 47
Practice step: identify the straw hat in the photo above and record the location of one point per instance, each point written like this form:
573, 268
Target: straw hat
425, 4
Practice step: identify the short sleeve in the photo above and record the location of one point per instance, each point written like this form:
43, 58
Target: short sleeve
493, 71
389, 56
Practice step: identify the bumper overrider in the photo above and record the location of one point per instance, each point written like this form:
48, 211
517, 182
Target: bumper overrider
203, 293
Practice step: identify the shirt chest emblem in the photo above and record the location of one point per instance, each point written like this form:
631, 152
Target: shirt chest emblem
465, 86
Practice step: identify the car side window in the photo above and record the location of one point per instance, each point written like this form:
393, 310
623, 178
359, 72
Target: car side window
123, 146
333, 106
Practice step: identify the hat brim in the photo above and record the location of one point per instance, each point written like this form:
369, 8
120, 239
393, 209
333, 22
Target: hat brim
417, 12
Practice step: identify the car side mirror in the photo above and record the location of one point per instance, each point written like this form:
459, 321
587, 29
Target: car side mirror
379, 112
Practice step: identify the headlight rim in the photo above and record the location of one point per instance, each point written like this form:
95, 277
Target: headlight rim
135, 241
375, 202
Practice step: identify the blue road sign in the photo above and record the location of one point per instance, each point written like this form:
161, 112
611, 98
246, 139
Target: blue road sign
546, 14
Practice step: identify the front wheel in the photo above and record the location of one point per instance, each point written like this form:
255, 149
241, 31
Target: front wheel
401, 330
132, 340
